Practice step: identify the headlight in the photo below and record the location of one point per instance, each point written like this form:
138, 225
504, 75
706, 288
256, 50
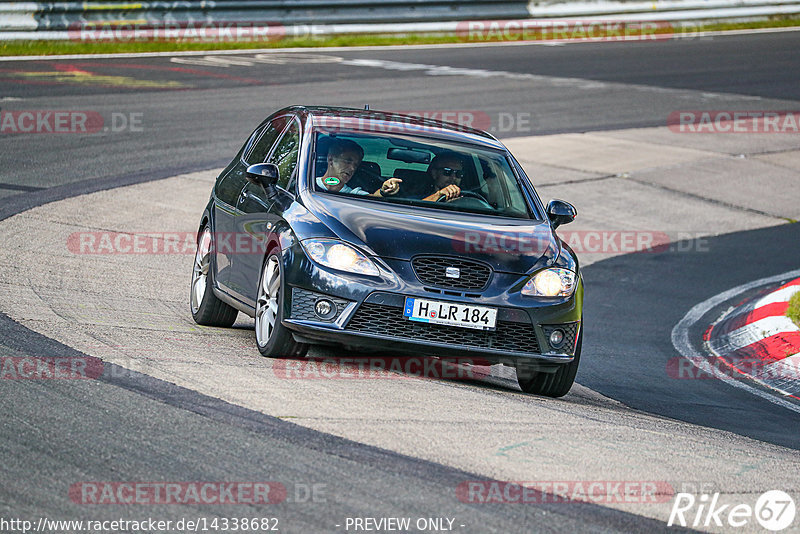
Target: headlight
337, 255
550, 283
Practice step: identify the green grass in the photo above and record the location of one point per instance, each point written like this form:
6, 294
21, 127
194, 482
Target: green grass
793, 312
782, 21
28, 48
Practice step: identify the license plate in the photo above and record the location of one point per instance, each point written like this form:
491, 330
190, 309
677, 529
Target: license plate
450, 313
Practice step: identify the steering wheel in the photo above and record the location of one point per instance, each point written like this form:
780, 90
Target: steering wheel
466, 194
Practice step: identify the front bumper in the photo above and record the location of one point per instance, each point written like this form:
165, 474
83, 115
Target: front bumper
369, 316
378, 324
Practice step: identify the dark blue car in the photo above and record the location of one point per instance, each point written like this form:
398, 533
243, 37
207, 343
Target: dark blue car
380, 231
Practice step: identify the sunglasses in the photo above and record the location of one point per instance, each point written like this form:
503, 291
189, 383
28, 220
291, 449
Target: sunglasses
447, 171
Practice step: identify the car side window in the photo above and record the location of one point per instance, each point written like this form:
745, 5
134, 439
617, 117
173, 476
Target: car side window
264, 141
285, 154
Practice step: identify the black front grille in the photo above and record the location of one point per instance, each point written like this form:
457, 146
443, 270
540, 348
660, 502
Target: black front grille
432, 270
389, 321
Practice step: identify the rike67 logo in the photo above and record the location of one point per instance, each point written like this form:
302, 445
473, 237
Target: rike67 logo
774, 510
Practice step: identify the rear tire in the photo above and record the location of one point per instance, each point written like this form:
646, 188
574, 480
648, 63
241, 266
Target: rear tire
272, 338
207, 309
555, 384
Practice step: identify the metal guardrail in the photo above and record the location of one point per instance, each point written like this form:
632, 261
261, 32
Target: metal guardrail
59, 20
64, 15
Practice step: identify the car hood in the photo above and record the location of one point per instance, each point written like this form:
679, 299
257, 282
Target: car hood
402, 232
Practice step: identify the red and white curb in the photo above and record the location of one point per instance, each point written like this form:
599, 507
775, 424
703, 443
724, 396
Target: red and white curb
759, 341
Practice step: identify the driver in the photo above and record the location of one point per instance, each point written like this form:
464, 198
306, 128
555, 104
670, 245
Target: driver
446, 171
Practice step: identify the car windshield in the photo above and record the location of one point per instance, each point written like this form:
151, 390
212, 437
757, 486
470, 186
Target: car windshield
417, 171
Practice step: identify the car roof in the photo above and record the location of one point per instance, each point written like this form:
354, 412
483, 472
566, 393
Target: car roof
391, 122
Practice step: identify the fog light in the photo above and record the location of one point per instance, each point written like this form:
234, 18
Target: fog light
556, 338
324, 309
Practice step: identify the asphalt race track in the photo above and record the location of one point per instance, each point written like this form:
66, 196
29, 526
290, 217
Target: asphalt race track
653, 297
394, 448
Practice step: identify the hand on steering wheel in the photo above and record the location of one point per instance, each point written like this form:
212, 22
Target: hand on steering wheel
448, 193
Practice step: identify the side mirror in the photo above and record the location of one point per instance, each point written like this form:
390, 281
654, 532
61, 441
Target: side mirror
264, 174
560, 212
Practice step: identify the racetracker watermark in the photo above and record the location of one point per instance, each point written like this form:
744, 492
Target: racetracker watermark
155, 493
471, 118
538, 492
205, 32
49, 121
371, 368
572, 30
580, 241
163, 243
700, 368
410, 121
734, 122
466, 242
50, 368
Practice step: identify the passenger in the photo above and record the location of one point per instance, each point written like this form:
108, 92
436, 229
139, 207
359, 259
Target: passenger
344, 157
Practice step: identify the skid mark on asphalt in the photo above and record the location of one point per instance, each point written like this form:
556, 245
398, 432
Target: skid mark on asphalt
90, 74
72, 74
164, 68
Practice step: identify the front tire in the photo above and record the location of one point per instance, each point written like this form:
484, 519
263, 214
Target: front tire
555, 384
207, 309
272, 338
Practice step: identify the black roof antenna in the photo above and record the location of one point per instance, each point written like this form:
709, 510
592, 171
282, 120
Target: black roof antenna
366, 107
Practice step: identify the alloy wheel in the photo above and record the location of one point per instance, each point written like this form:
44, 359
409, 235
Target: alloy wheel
267, 303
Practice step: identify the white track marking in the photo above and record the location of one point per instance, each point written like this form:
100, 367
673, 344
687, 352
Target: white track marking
282, 59
272, 59
444, 70
210, 62
680, 338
